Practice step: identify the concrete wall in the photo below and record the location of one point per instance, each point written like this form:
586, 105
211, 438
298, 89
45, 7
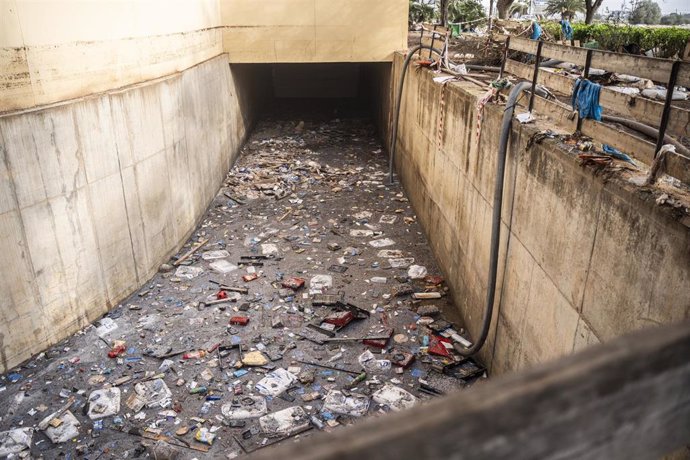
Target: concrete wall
96, 193
588, 258
51, 50
313, 30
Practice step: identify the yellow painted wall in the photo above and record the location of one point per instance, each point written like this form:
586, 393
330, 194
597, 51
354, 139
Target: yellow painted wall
54, 50
313, 30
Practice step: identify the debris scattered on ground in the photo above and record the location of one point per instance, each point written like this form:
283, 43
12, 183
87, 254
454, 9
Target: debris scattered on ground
303, 300
16, 441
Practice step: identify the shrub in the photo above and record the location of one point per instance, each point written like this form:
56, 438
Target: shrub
667, 41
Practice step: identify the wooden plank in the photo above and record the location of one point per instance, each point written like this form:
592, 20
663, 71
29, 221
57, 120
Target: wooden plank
684, 75
678, 166
572, 54
637, 147
523, 45
633, 145
628, 398
654, 69
637, 108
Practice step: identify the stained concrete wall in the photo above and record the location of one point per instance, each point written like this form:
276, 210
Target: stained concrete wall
286, 31
588, 258
52, 51
95, 194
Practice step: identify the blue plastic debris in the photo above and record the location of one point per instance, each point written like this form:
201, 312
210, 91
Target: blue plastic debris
417, 373
240, 372
615, 153
14, 377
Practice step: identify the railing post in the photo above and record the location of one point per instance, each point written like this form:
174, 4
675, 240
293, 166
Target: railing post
536, 74
585, 75
667, 106
433, 41
505, 58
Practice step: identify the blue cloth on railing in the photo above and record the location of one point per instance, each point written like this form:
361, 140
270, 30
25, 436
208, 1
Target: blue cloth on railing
615, 153
586, 99
536, 31
567, 29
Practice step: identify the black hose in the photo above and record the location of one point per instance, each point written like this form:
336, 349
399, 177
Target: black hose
550, 63
391, 158
496, 218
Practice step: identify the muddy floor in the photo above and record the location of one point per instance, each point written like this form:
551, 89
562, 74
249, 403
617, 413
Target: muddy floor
254, 333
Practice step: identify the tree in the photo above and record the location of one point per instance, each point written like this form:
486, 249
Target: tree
566, 8
465, 10
420, 12
591, 7
444, 12
518, 8
645, 12
675, 19
503, 6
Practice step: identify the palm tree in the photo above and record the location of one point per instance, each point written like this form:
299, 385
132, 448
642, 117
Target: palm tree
420, 12
465, 10
566, 8
518, 8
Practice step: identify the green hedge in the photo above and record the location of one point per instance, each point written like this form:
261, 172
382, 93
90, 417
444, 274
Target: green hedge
669, 41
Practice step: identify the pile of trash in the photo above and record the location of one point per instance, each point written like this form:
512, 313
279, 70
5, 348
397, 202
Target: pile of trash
307, 299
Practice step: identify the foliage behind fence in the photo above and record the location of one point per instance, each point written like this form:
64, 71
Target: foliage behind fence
666, 41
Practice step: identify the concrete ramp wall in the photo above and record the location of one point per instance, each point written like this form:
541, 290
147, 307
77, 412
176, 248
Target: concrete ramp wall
96, 193
589, 257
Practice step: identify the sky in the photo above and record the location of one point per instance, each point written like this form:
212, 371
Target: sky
667, 6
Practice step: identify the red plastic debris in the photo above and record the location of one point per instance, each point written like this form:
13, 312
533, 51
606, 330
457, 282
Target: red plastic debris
433, 280
239, 320
221, 295
293, 283
379, 343
117, 350
198, 354
340, 319
436, 346
401, 358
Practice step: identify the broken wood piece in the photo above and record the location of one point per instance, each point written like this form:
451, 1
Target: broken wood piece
189, 253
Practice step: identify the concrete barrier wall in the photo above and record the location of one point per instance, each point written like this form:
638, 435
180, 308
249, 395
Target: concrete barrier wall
313, 30
96, 193
589, 257
51, 51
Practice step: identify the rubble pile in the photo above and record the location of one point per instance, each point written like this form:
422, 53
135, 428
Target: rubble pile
306, 299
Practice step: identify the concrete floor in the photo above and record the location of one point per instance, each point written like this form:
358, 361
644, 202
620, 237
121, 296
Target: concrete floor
312, 198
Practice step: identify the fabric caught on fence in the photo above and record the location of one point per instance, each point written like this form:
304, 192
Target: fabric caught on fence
566, 29
536, 31
586, 99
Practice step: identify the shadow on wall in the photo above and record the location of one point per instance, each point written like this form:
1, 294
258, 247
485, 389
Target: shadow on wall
101, 190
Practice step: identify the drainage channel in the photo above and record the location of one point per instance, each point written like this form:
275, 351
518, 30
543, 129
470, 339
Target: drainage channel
306, 299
